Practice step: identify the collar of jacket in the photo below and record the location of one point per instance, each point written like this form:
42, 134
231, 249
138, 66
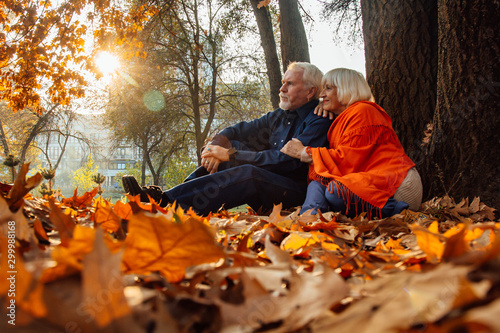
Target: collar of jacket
305, 109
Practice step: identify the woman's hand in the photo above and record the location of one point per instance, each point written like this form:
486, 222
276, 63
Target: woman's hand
323, 113
293, 148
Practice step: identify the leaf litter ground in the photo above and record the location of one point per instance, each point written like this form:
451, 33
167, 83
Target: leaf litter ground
84, 264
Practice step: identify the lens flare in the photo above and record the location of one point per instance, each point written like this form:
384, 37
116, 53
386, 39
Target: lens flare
154, 100
107, 63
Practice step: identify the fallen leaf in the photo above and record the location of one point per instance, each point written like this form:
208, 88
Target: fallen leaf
395, 303
83, 201
122, 210
102, 285
64, 224
39, 230
294, 300
429, 242
22, 186
69, 258
330, 225
14, 221
455, 244
157, 244
106, 217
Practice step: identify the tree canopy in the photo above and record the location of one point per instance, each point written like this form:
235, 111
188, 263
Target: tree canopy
43, 46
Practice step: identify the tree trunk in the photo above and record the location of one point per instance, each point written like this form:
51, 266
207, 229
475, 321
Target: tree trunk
401, 64
464, 152
294, 46
268, 43
144, 163
3, 140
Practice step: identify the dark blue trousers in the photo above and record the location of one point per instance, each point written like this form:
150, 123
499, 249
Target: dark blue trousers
319, 197
231, 187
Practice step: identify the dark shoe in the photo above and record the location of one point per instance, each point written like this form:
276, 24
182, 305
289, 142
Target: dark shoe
132, 187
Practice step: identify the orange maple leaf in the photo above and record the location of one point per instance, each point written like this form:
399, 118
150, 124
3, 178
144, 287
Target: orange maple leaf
64, 224
83, 201
168, 244
106, 217
122, 210
331, 225
21, 187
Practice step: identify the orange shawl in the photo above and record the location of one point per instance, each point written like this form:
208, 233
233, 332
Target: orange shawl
365, 156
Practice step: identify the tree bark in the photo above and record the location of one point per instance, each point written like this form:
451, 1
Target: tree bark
3, 141
464, 152
294, 46
263, 18
401, 64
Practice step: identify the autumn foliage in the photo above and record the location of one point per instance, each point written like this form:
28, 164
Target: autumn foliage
85, 263
42, 46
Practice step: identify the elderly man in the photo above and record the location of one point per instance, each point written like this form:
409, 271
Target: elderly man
243, 163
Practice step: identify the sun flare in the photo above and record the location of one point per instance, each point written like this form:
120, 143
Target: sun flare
107, 63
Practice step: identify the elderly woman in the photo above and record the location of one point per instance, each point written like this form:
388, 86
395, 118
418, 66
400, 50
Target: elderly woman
365, 169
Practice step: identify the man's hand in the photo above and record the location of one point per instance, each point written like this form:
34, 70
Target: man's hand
212, 156
211, 164
293, 148
323, 113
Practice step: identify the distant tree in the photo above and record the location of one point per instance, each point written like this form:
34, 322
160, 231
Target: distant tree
194, 44
140, 113
26, 134
82, 177
177, 170
52, 142
18, 132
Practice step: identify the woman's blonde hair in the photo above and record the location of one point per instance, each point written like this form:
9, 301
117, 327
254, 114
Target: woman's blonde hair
351, 85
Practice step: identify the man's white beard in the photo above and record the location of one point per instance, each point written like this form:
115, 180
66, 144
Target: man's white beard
284, 105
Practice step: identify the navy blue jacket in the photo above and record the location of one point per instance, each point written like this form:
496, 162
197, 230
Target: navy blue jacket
259, 141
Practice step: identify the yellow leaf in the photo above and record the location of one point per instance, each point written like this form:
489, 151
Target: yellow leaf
434, 227
297, 240
455, 243
156, 243
429, 242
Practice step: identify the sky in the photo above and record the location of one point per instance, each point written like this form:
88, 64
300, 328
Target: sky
328, 52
